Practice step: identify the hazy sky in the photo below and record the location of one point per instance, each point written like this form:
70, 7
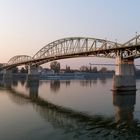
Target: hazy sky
28, 25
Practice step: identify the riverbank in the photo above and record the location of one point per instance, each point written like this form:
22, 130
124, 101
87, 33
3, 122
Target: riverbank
69, 76
63, 76
76, 76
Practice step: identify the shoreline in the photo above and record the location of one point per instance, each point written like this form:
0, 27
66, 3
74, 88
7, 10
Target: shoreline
68, 76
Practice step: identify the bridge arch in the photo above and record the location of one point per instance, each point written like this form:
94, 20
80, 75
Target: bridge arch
19, 59
78, 47
74, 47
133, 42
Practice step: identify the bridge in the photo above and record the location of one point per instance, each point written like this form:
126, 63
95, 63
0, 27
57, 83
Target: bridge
74, 47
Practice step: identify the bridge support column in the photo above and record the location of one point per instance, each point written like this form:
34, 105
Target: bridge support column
124, 79
7, 75
7, 78
33, 88
33, 74
124, 106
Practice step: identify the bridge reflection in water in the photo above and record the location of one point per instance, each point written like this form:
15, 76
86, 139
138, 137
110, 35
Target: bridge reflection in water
122, 125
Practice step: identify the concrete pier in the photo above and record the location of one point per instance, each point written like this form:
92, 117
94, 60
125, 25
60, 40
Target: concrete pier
33, 88
124, 78
33, 74
124, 107
7, 74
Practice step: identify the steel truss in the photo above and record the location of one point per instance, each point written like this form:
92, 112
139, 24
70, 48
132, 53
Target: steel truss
79, 47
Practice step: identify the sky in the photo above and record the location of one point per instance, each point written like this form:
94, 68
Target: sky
28, 25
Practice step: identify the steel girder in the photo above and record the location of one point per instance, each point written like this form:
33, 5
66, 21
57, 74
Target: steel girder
131, 49
134, 41
79, 47
76, 47
19, 59
83, 46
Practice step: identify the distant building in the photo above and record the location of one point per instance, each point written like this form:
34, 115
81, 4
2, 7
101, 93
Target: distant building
47, 71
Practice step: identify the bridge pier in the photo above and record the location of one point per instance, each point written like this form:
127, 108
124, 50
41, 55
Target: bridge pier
33, 74
124, 106
7, 74
7, 78
33, 88
124, 79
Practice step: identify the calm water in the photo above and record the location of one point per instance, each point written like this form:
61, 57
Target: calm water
67, 110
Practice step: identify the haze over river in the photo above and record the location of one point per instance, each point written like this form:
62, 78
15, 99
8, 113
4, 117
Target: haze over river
68, 110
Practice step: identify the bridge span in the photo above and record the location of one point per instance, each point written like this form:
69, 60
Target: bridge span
73, 47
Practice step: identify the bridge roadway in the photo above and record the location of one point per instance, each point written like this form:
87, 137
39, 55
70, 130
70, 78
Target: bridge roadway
83, 47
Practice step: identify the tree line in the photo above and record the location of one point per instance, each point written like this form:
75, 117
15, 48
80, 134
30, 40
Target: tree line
56, 67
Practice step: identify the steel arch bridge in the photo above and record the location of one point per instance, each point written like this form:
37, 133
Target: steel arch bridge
78, 47
19, 59
75, 47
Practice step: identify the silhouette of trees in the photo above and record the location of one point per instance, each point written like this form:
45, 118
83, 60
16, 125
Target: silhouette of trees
23, 70
55, 85
88, 69
103, 69
94, 69
68, 69
15, 70
55, 66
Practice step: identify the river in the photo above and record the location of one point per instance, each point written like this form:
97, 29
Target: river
68, 110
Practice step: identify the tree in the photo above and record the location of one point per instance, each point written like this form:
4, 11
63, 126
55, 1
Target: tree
103, 69
26, 68
84, 68
68, 69
23, 70
94, 69
15, 70
55, 66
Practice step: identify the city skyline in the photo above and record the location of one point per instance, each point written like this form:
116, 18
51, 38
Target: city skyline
26, 26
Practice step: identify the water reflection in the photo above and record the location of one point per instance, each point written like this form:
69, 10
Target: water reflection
22, 81
7, 83
55, 85
124, 106
33, 88
15, 83
67, 83
88, 83
103, 80
81, 125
